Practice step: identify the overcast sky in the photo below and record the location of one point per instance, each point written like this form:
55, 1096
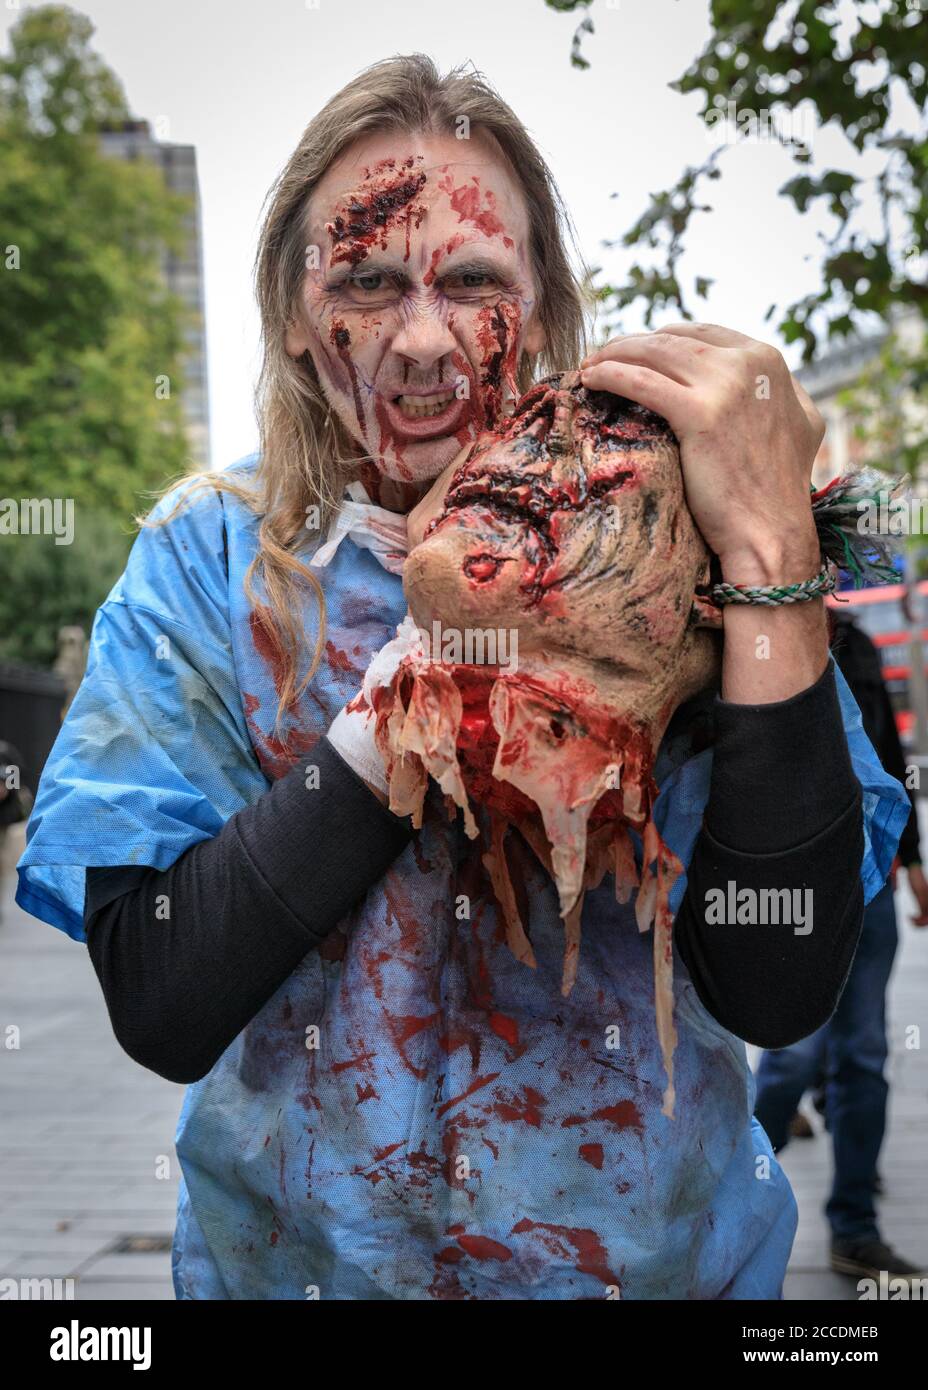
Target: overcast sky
239, 81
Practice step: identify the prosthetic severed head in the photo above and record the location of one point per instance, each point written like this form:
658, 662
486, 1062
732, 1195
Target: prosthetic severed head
567, 532
418, 298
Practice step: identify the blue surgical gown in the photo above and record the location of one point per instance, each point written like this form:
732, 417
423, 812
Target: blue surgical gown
413, 1114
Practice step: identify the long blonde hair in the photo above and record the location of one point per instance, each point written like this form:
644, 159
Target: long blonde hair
304, 449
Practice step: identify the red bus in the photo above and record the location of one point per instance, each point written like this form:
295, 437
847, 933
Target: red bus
885, 612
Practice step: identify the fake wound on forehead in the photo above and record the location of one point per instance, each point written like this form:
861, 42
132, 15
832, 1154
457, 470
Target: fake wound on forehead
383, 200
467, 198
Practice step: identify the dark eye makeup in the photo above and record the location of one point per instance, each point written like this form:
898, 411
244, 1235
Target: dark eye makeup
371, 281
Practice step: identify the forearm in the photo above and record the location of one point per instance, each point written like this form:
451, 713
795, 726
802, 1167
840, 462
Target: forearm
784, 813
771, 653
190, 954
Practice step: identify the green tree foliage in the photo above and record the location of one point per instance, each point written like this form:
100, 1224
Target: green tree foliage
52, 83
861, 69
857, 68
91, 341
44, 586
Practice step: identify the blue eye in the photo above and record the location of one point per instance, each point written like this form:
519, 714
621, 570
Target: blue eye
373, 280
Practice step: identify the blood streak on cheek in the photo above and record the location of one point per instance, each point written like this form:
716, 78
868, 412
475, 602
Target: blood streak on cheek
498, 328
370, 214
340, 338
388, 439
463, 371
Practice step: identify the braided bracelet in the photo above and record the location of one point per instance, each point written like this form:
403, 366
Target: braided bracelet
773, 594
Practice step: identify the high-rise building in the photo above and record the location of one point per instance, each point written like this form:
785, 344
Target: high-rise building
183, 273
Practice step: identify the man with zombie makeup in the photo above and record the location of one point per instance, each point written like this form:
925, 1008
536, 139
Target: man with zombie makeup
387, 1101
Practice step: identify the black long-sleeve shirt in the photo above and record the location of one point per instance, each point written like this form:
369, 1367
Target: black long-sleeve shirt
188, 955
860, 665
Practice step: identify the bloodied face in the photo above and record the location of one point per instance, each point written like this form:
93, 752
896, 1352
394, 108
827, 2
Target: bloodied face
569, 523
418, 299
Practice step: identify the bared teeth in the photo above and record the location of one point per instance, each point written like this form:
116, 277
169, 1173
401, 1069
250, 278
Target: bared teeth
422, 407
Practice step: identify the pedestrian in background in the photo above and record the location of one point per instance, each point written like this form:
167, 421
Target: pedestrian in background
850, 1050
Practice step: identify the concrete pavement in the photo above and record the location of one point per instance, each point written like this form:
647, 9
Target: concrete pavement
86, 1135
87, 1162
